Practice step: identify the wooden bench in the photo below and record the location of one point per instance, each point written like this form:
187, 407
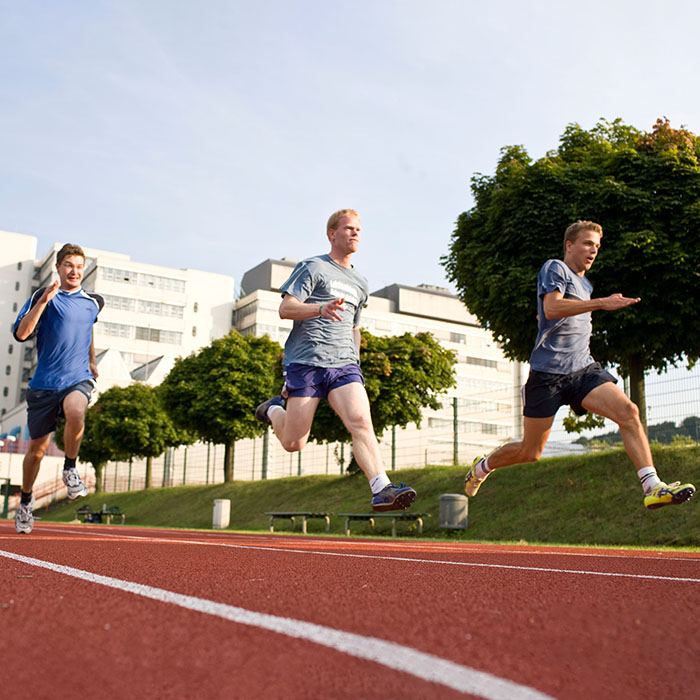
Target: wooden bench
394, 515
304, 515
96, 516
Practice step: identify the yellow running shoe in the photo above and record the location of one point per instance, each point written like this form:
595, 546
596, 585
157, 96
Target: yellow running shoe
668, 495
471, 482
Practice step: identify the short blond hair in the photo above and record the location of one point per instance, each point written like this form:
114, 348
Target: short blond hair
334, 221
572, 232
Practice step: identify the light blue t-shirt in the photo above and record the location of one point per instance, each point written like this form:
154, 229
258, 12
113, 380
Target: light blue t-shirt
562, 345
322, 342
63, 338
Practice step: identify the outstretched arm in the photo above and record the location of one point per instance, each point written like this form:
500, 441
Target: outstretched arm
555, 306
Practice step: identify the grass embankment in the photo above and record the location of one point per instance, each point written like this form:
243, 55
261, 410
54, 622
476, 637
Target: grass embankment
582, 499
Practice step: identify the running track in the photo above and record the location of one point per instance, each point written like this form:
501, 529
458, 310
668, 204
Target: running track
95, 611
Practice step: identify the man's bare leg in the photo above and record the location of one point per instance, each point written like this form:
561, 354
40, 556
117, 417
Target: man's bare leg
74, 407
535, 435
350, 402
32, 461
293, 424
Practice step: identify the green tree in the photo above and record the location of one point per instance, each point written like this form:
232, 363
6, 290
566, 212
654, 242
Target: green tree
644, 188
133, 423
403, 375
92, 449
215, 392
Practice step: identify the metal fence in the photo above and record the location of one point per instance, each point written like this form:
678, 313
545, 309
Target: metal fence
457, 434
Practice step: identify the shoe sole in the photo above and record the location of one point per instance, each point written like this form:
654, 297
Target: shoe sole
73, 496
401, 502
681, 497
24, 530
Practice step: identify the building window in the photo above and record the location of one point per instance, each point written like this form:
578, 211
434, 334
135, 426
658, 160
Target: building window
28, 354
22, 394
5, 391
194, 331
26, 374
19, 265
14, 307
10, 349
17, 286
458, 338
8, 369
196, 307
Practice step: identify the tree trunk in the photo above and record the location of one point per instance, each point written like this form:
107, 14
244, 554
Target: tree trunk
228, 460
149, 472
98, 476
637, 393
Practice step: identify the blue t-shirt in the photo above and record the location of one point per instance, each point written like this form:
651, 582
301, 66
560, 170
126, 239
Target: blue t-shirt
63, 338
562, 345
322, 342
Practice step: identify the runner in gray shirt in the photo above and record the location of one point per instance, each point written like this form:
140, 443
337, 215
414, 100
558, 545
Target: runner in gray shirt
562, 372
324, 297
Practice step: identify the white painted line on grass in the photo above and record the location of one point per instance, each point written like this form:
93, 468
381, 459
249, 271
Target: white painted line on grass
395, 656
415, 560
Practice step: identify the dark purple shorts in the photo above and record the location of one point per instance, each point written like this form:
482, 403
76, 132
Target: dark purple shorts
307, 380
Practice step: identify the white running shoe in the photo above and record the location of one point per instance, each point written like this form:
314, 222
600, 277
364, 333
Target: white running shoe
24, 517
74, 484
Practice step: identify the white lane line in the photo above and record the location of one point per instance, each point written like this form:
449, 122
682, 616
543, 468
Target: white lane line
395, 656
414, 560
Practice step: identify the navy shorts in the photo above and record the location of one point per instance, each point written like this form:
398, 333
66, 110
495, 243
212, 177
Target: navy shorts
44, 406
307, 380
544, 393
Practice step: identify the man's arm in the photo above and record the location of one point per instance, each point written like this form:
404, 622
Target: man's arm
555, 306
93, 358
29, 321
296, 310
357, 337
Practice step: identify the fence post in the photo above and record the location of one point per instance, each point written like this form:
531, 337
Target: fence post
393, 447
299, 463
6, 499
208, 452
455, 426
184, 468
266, 440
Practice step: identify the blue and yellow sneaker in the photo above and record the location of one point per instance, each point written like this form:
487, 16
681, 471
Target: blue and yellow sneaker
393, 498
471, 482
668, 495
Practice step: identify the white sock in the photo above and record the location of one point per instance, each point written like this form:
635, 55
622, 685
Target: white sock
648, 477
482, 469
379, 482
272, 408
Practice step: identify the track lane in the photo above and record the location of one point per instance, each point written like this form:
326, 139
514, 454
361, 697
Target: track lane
535, 627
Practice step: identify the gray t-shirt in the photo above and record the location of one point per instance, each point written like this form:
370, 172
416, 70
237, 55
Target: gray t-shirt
562, 345
318, 341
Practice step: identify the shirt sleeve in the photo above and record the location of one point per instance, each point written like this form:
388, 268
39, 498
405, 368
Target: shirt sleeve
30, 303
552, 278
300, 283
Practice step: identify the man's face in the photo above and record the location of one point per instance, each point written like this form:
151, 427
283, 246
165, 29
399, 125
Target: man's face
581, 253
70, 271
346, 238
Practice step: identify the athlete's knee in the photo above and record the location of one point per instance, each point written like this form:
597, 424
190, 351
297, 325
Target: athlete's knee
37, 451
359, 423
293, 445
628, 414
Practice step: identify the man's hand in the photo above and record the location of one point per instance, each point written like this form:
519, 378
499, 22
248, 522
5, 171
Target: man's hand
330, 310
617, 301
93, 369
49, 293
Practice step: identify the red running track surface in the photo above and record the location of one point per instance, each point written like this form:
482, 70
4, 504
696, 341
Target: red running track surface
101, 611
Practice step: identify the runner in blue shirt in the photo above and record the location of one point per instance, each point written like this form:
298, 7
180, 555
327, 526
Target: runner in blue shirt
562, 372
324, 297
61, 317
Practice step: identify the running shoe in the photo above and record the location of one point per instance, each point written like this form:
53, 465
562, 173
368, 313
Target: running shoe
261, 410
471, 482
24, 517
393, 498
668, 495
74, 484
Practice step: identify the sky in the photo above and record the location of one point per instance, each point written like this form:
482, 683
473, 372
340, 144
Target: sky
219, 133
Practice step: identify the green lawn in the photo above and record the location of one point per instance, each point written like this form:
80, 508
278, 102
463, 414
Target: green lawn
590, 499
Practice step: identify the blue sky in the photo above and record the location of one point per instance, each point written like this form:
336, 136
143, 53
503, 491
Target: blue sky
216, 134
